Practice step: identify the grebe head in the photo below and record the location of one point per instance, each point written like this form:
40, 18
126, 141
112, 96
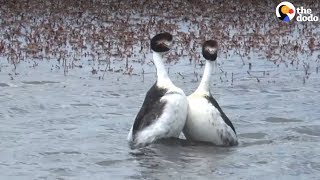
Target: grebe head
161, 42
210, 50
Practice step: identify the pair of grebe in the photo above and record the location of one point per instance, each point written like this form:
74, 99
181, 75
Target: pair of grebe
167, 111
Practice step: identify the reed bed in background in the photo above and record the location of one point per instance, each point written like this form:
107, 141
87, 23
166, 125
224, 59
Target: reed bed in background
70, 31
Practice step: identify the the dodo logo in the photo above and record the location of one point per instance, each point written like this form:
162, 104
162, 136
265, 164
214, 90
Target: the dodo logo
285, 11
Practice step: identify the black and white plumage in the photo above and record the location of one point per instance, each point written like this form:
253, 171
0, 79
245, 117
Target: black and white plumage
164, 110
206, 122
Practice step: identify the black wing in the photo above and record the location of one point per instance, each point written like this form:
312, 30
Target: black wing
151, 109
223, 115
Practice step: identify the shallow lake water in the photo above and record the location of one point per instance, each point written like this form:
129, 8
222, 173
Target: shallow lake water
75, 126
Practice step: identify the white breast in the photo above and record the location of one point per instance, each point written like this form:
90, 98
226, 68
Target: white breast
172, 120
204, 123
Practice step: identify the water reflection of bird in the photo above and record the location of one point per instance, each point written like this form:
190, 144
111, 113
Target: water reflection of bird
164, 110
206, 121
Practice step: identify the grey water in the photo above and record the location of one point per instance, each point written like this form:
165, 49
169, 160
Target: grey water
75, 126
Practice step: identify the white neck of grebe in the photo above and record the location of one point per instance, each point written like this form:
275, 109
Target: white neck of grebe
162, 75
204, 86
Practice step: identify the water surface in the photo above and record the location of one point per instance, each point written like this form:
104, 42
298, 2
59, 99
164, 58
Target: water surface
75, 126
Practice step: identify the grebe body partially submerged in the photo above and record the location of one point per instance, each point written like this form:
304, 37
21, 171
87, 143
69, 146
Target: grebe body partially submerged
206, 122
164, 110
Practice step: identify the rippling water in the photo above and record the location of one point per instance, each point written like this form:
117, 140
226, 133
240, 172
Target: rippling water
75, 126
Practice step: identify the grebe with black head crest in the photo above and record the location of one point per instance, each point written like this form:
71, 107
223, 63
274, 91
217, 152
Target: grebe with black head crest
164, 110
206, 122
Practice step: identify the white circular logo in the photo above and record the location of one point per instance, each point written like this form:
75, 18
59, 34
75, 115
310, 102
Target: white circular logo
285, 11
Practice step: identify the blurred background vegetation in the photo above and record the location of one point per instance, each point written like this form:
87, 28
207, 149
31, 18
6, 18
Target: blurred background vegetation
71, 31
